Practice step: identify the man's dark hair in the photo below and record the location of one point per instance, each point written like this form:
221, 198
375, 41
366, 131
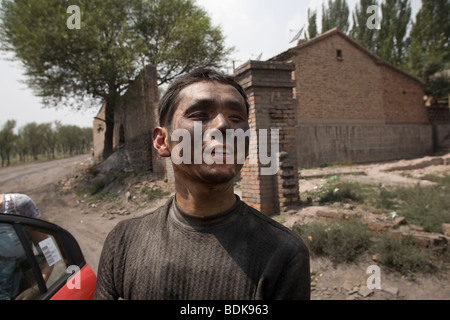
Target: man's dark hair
169, 101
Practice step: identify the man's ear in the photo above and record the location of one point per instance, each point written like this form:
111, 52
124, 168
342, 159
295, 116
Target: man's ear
160, 142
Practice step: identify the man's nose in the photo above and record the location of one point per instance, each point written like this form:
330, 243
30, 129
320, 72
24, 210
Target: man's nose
220, 123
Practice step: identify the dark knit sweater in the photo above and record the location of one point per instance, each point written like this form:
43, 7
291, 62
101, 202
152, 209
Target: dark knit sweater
237, 254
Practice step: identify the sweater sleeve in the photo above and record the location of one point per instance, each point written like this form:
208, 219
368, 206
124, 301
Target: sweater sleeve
106, 284
294, 282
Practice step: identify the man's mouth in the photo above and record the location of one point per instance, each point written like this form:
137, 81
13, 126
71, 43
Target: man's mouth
221, 150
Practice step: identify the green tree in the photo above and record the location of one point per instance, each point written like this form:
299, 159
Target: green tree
429, 51
335, 15
33, 138
312, 24
116, 39
69, 138
49, 139
21, 147
392, 42
7, 140
360, 32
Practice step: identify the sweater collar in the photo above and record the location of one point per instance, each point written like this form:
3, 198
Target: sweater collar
197, 222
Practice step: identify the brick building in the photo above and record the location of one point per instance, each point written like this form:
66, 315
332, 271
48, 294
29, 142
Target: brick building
352, 106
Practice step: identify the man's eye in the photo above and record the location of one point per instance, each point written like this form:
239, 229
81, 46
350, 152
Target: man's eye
237, 118
198, 115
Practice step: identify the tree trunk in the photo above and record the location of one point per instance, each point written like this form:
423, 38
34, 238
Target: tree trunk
109, 130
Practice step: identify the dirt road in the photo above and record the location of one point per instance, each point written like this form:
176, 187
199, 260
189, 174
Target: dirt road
40, 181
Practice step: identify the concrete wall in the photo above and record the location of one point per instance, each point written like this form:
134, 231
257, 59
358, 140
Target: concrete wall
328, 144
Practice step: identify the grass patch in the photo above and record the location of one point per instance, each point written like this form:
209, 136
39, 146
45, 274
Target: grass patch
404, 255
341, 192
428, 207
154, 193
425, 206
340, 241
346, 240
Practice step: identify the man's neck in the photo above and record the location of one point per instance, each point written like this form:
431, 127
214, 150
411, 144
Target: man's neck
202, 200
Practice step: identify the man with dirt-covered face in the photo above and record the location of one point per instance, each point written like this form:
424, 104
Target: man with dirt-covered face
204, 243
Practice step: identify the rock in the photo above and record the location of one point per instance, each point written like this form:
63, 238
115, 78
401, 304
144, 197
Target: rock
347, 285
365, 292
446, 229
399, 221
391, 290
329, 214
116, 162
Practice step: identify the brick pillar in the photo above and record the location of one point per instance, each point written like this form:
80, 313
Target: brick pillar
269, 87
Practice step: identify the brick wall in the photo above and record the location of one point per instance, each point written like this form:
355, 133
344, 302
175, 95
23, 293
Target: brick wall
339, 81
330, 89
135, 118
270, 91
402, 97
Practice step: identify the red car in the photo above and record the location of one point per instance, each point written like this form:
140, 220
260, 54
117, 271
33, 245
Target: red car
40, 260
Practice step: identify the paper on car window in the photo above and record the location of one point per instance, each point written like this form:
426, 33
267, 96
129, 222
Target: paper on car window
50, 251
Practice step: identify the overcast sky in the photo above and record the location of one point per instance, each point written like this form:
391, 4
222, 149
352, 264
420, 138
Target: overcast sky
253, 27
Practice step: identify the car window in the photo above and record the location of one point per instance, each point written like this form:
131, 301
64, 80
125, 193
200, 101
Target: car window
17, 279
49, 255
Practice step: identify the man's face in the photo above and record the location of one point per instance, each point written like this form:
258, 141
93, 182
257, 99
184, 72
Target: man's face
215, 108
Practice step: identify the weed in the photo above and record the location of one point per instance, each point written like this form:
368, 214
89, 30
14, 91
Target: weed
428, 207
340, 241
403, 255
154, 193
97, 187
343, 191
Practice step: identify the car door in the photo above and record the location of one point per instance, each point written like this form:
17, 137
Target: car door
40, 260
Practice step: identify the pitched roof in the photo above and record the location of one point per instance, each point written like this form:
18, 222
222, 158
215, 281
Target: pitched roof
332, 32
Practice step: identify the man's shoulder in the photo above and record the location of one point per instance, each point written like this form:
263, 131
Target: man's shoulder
274, 231
134, 224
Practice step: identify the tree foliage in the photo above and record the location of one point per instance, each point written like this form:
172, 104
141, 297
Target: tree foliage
7, 140
116, 39
429, 51
336, 14
47, 139
421, 48
312, 24
360, 32
392, 42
